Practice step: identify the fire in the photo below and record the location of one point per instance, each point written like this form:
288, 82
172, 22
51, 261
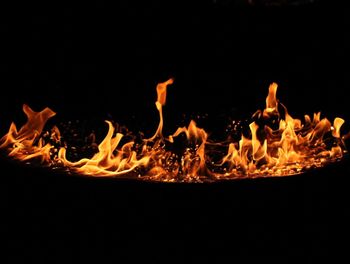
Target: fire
27, 143
161, 93
277, 145
108, 160
271, 101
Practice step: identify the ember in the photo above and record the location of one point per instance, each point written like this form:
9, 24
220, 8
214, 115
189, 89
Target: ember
277, 145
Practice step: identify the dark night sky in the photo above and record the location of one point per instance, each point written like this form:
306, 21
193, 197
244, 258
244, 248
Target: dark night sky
98, 59
102, 58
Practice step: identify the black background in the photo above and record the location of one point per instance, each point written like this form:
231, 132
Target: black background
103, 58
97, 60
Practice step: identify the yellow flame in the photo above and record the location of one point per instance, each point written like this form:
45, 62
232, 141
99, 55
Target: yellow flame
337, 124
108, 160
289, 149
25, 144
271, 101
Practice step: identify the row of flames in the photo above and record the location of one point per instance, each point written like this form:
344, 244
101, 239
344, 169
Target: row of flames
290, 148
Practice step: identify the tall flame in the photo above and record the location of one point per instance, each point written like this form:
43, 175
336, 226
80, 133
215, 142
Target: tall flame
161, 99
271, 101
291, 148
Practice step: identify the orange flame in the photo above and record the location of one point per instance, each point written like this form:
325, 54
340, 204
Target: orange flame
26, 143
193, 162
161, 93
291, 148
271, 101
108, 160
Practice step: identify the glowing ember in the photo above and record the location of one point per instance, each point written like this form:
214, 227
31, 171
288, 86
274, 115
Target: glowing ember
289, 148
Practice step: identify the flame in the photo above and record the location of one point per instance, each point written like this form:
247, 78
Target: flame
290, 148
338, 122
161, 99
108, 160
26, 143
193, 162
271, 101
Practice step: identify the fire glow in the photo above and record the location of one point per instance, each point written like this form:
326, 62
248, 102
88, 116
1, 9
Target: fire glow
287, 146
